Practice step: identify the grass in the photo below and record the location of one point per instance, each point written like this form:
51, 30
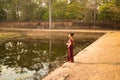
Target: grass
7, 35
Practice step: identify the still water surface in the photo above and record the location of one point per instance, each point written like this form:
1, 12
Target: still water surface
33, 59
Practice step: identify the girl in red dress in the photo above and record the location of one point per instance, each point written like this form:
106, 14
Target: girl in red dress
70, 44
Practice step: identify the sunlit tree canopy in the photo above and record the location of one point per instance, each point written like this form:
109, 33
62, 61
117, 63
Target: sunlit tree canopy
85, 10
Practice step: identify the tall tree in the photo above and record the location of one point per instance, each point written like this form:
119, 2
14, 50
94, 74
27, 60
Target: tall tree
3, 11
74, 10
109, 11
59, 9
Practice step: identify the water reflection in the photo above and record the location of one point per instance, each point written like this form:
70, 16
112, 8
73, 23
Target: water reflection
33, 59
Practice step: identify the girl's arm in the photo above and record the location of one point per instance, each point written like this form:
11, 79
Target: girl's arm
69, 43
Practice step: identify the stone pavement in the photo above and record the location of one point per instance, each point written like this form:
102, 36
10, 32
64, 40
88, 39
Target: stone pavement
98, 61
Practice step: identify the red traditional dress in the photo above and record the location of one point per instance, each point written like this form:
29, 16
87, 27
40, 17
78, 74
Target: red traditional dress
70, 51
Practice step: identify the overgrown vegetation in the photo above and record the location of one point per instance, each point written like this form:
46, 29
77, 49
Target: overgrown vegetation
84, 10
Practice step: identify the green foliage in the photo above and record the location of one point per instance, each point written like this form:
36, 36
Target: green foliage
59, 10
74, 11
2, 11
46, 15
109, 12
32, 10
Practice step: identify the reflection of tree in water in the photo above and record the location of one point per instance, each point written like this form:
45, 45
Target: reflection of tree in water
30, 54
23, 54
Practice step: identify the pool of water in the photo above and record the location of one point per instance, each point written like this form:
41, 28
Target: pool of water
33, 59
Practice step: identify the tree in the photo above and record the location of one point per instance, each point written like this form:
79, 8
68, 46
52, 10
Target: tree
85, 10
3, 13
58, 10
109, 11
74, 11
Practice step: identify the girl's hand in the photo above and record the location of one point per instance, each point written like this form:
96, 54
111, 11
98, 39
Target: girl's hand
66, 43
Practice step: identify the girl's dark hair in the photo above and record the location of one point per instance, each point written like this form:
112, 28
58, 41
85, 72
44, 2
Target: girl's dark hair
71, 34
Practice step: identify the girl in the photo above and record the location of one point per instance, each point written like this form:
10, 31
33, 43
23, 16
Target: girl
70, 44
